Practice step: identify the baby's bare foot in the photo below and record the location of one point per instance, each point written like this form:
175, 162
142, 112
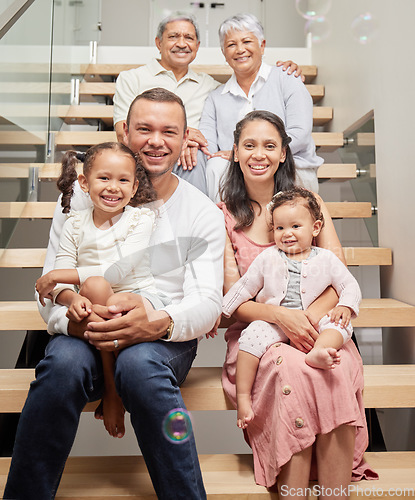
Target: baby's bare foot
325, 358
245, 411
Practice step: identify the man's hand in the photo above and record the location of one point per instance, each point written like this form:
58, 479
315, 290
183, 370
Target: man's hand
226, 155
99, 313
291, 67
195, 140
136, 324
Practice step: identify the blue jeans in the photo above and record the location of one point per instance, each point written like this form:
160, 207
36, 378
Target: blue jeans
147, 378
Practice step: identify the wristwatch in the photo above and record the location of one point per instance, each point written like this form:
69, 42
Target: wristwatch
169, 331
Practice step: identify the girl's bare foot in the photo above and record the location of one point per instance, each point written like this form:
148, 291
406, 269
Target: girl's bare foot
99, 412
325, 358
245, 412
113, 415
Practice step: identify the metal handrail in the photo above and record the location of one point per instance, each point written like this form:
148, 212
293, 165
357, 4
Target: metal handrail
12, 14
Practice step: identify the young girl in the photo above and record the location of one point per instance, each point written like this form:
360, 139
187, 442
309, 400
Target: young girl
103, 249
292, 274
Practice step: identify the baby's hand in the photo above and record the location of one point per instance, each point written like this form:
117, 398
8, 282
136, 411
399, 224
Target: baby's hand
79, 309
340, 315
214, 330
44, 286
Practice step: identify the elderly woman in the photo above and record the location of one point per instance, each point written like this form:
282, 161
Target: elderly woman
255, 85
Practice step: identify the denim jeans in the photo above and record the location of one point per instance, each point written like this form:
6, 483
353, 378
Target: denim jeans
147, 377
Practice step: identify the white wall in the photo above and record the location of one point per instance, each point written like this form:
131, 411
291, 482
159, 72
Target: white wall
380, 76
283, 26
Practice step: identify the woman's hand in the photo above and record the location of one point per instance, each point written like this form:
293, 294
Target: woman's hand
296, 325
44, 286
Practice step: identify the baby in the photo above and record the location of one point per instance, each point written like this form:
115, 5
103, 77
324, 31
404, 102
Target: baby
292, 274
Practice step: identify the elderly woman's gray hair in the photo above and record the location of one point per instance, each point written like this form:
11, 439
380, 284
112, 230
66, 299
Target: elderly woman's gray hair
241, 22
177, 16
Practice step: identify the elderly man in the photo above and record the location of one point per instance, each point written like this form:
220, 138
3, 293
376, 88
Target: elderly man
155, 352
178, 41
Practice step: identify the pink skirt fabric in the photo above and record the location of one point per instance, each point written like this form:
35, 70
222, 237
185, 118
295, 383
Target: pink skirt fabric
313, 402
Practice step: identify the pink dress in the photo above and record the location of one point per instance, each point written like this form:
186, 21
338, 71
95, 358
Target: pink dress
293, 402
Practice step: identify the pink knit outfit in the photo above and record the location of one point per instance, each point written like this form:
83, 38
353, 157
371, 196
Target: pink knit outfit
267, 279
292, 401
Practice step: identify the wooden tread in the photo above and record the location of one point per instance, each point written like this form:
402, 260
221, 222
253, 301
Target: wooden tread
226, 477
24, 315
50, 171
336, 171
112, 70
386, 386
45, 209
220, 72
325, 141
79, 114
34, 257
92, 89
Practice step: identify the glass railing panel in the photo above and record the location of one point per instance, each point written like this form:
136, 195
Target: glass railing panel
24, 106
360, 149
39, 56
75, 36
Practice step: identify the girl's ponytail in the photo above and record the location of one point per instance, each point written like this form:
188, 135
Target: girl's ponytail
67, 178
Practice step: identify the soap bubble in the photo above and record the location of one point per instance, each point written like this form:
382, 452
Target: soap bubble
318, 28
311, 9
177, 426
364, 28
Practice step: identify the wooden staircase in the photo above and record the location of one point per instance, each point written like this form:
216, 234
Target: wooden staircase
226, 476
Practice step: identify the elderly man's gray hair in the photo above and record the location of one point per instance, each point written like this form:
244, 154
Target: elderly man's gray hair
177, 16
241, 22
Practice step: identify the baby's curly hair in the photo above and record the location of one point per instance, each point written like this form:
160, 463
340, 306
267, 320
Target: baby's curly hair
145, 192
294, 196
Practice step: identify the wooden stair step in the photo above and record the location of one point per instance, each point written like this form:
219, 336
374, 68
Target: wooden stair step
34, 257
45, 209
336, 171
349, 210
50, 171
27, 210
386, 386
322, 115
107, 89
365, 139
220, 72
325, 141
24, 315
80, 114
22, 138
225, 476
45, 171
